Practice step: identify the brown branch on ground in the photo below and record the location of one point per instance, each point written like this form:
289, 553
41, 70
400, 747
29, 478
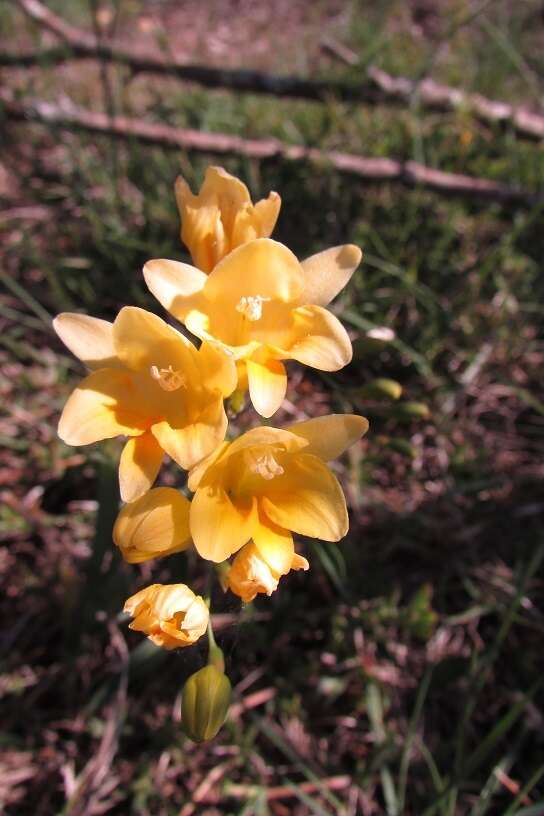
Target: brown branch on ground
409, 173
378, 87
235, 791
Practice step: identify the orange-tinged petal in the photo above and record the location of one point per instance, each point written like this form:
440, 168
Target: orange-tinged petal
264, 435
171, 615
202, 230
194, 625
198, 323
155, 525
217, 368
275, 545
299, 562
319, 339
250, 574
200, 470
229, 193
191, 443
326, 273
103, 405
222, 216
89, 338
267, 211
267, 385
255, 222
308, 500
176, 285
329, 436
218, 526
262, 268
139, 465
142, 340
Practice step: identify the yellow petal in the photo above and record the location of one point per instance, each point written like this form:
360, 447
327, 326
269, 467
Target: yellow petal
208, 219
230, 194
267, 385
142, 340
202, 229
103, 405
319, 339
329, 436
299, 562
217, 368
170, 615
189, 444
219, 527
262, 268
89, 338
176, 286
308, 500
267, 211
264, 435
155, 525
221, 217
193, 626
198, 323
199, 471
250, 574
137, 602
275, 546
255, 222
139, 465
326, 273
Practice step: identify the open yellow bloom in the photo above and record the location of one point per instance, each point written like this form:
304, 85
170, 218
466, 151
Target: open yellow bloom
269, 483
171, 615
257, 569
149, 383
155, 525
263, 306
222, 217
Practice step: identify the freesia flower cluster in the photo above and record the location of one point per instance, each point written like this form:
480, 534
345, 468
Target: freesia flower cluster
251, 305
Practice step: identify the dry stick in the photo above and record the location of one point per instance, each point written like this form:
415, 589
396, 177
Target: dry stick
379, 86
237, 791
409, 173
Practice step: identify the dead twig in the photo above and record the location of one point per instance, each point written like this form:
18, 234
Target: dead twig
409, 173
236, 791
377, 86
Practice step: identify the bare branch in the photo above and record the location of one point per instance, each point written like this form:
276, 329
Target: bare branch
372, 169
378, 87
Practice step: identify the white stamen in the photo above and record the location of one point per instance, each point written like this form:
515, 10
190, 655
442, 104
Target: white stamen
252, 306
265, 466
167, 378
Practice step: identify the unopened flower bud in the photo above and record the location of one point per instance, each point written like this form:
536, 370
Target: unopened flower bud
204, 703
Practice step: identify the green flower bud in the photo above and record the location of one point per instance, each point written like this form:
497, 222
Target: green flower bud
412, 410
204, 703
381, 388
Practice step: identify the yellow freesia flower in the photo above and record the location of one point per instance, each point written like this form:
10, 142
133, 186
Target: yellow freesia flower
257, 569
155, 525
149, 383
269, 483
263, 306
222, 217
171, 615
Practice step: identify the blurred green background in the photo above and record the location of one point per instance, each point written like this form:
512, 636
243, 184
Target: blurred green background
403, 674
